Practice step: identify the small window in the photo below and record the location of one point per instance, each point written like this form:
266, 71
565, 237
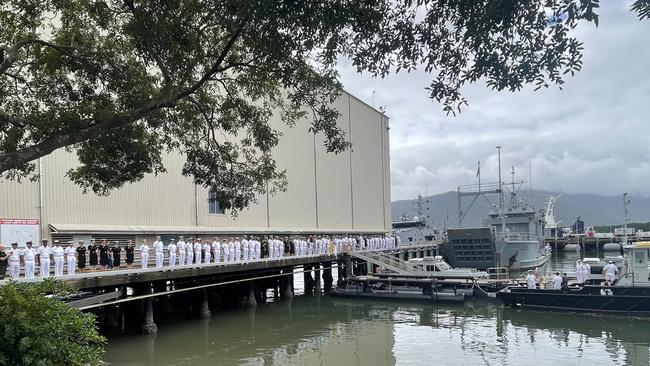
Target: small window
214, 206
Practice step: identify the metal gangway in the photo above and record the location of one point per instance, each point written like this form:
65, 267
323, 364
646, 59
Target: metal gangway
387, 261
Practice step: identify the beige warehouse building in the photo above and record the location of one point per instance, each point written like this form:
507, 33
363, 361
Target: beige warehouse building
326, 193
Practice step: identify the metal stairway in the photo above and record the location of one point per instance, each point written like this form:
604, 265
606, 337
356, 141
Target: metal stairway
386, 261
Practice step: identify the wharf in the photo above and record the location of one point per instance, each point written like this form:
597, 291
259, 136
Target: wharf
124, 297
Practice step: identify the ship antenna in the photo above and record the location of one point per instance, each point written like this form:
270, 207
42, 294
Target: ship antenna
503, 218
626, 202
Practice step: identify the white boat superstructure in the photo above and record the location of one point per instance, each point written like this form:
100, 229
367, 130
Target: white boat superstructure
436, 267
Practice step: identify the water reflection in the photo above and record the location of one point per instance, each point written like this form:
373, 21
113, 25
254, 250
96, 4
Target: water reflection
327, 331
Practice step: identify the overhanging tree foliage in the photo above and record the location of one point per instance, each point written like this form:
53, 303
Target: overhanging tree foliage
123, 81
39, 330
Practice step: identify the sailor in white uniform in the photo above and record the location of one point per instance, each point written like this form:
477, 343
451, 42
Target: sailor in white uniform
237, 250
226, 250
29, 258
44, 252
57, 255
586, 271
70, 257
189, 251
270, 245
198, 247
14, 261
144, 254
180, 247
216, 250
531, 280
579, 271
245, 250
158, 249
557, 281
207, 251
610, 271
171, 249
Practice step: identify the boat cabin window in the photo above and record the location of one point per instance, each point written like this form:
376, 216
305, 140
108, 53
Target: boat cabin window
431, 268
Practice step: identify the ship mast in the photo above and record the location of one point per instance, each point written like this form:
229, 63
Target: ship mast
626, 202
501, 211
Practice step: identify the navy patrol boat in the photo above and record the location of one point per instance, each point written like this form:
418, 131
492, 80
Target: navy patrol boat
512, 238
629, 295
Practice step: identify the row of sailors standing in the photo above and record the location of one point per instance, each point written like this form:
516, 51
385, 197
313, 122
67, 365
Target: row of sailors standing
202, 252
28, 257
181, 252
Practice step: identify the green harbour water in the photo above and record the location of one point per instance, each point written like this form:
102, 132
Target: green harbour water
322, 330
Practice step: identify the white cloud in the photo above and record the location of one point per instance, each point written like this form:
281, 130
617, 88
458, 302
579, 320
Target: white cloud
592, 137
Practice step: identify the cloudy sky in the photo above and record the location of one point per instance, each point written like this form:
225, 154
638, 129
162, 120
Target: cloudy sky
591, 137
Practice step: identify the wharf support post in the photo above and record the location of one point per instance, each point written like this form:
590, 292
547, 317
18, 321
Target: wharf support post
250, 301
327, 277
309, 281
149, 326
205, 305
317, 285
287, 290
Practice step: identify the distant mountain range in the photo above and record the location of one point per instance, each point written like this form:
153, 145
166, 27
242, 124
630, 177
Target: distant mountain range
594, 209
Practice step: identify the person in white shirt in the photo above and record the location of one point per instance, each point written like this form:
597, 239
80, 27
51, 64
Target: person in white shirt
579, 271
531, 281
610, 271
14, 261
226, 250
244, 248
216, 250
198, 247
557, 281
171, 249
270, 246
57, 255
276, 247
258, 249
586, 271
237, 250
70, 257
158, 249
44, 254
207, 251
181, 251
189, 251
144, 254
29, 258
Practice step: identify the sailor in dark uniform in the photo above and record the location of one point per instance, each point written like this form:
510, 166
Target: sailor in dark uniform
92, 254
81, 256
129, 254
103, 255
4, 259
116, 250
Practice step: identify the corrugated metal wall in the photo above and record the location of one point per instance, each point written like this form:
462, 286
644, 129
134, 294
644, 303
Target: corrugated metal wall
350, 190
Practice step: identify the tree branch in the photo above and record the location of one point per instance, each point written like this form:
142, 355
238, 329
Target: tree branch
216, 65
16, 121
11, 53
16, 158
